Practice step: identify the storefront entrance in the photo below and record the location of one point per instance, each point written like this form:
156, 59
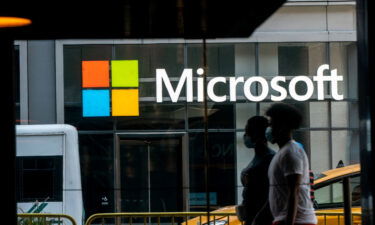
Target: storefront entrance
149, 173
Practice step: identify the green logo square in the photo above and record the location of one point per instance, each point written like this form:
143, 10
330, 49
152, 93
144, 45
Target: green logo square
124, 73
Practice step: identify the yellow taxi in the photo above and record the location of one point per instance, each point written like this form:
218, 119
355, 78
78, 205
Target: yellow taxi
329, 199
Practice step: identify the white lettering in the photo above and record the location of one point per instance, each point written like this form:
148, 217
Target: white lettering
162, 77
320, 78
263, 84
200, 87
275, 86
334, 80
233, 81
309, 91
210, 89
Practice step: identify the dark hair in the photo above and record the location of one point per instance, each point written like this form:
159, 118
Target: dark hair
286, 115
256, 126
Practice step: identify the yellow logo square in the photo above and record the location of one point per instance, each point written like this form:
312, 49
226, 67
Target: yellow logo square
125, 102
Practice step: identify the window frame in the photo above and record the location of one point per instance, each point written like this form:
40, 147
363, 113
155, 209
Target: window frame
316, 187
57, 178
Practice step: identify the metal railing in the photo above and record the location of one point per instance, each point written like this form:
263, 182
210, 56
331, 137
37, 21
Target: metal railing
335, 218
166, 218
198, 218
170, 218
44, 219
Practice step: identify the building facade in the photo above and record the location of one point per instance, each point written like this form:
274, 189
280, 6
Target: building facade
155, 161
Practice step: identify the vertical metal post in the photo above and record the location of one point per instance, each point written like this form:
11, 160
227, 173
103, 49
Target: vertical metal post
7, 128
148, 143
206, 144
347, 202
117, 183
366, 96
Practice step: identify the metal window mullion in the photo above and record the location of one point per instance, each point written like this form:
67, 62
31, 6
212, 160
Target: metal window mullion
330, 143
186, 103
24, 94
149, 177
117, 167
256, 52
59, 73
328, 60
185, 148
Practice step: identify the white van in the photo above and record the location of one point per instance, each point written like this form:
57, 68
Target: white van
48, 175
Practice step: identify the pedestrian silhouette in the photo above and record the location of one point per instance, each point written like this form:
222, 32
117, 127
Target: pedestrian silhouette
254, 177
288, 173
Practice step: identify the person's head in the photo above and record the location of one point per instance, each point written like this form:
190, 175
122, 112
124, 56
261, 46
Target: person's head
284, 118
356, 193
255, 131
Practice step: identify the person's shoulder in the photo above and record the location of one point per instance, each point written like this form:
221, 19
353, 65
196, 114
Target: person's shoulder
270, 152
291, 150
297, 147
296, 150
294, 146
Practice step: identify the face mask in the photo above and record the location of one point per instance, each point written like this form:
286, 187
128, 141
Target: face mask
269, 135
248, 142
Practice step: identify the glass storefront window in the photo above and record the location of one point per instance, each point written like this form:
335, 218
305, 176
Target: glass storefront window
328, 133
320, 146
144, 149
290, 59
155, 117
215, 114
97, 169
153, 56
220, 171
343, 57
243, 112
318, 114
220, 58
16, 74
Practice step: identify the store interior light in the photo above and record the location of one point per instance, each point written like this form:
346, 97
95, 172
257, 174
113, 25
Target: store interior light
13, 22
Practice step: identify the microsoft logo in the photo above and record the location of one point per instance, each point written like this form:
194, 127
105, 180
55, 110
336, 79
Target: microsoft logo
110, 88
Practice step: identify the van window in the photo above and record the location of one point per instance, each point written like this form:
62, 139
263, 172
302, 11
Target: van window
39, 178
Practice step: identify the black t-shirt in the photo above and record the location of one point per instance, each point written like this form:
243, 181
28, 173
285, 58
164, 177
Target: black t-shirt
254, 179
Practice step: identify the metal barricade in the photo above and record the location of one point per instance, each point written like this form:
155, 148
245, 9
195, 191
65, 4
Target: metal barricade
164, 218
198, 218
44, 219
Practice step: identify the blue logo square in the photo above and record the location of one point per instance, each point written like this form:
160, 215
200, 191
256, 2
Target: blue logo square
96, 103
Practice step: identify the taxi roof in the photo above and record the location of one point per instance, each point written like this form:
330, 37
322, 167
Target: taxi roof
338, 172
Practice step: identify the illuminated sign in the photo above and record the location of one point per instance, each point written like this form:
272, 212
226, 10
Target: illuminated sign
186, 79
110, 88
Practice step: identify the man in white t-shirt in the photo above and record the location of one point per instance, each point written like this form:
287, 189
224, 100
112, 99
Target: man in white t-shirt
289, 193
